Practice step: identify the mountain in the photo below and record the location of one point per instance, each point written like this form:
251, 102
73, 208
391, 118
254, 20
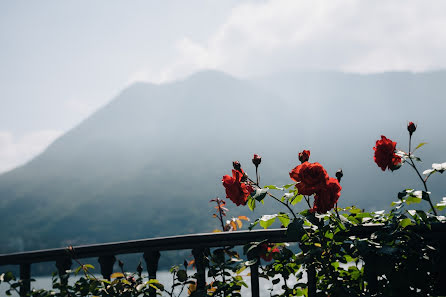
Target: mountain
147, 163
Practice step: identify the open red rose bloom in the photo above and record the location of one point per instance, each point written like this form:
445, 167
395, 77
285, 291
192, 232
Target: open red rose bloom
326, 198
385, 156
311, 179
236, 190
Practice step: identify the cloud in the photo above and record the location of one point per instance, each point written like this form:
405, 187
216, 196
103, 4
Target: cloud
368, 36
15, 151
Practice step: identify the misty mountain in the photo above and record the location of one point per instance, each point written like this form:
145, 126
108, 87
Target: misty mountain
148, 163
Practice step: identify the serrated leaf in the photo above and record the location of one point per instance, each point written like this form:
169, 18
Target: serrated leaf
412, 199
267, 220
288, 186
284, 219
296, 199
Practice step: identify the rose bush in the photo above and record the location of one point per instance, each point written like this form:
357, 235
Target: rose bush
345, 251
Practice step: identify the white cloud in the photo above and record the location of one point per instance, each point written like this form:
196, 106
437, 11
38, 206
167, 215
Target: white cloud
15, 151
345, 35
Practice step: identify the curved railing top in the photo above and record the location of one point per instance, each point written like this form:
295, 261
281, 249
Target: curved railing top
189, 241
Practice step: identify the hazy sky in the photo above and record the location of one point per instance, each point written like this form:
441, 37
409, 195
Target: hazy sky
60, 60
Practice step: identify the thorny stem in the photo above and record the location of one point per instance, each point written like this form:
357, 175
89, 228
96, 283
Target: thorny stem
419, 175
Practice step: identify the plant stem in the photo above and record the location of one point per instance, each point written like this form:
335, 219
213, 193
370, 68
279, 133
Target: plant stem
336, 210
257, 176
221, 216
275, 198
419, 175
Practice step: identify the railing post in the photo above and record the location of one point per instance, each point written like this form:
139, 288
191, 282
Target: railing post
200, 263
25, 277
311, 282
107, 263
63, 264
254, 268
152, 258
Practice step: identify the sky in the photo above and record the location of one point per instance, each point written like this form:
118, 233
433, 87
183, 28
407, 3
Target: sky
61, 60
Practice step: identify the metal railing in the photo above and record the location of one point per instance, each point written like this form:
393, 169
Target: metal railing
152, 247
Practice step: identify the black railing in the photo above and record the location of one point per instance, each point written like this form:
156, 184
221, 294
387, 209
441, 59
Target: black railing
152, 247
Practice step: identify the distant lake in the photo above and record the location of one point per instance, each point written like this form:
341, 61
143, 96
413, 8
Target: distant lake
45, 282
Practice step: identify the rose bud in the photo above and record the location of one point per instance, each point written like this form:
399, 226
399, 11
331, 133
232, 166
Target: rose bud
339, 175
304, 156
256, 160
411, 127
121, 264
236, 165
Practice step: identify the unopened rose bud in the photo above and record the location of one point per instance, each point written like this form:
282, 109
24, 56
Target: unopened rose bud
411, 127
339, 175
256, 160
236, 165
304, 156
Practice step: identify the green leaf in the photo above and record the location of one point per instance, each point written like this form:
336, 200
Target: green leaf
296, 199
89, 266
440, 206
405, 222
251, 203
295, 229
288, 186
328, 234
182, 275
284, 219
355, 210
420, 145
260, 194
273, 187
267, 220
8, 276
412, 199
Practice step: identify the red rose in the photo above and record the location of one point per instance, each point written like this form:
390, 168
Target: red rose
310, 177
304, 156
327, 196
266, 251
235, 189
385, 156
